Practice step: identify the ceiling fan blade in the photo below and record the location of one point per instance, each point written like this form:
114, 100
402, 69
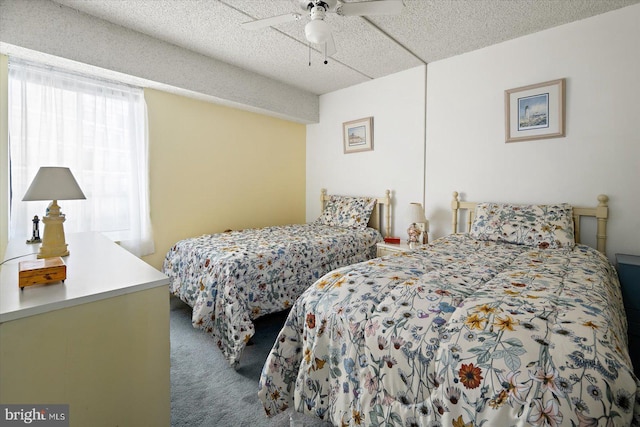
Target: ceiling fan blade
270, 22
370, 8
330, 47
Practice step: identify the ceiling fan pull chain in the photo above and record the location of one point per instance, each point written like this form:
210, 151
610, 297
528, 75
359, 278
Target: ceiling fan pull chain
309, 45
325, 53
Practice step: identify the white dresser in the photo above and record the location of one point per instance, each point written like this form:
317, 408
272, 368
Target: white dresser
98, 342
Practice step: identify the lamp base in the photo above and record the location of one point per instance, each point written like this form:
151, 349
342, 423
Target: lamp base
418, 234
414, 234
53, 241
53, 252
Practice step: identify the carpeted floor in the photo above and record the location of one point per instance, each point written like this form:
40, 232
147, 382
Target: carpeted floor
206, 391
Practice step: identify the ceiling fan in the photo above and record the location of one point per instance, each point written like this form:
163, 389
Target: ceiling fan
317, 31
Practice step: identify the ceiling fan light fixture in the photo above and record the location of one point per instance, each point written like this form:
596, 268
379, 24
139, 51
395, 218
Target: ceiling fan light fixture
317, 31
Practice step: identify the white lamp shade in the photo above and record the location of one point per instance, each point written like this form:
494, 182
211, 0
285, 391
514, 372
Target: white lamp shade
317, 31
53, 183
416, 213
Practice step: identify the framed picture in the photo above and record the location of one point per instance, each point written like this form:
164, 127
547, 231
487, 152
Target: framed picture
535, 111
358, 135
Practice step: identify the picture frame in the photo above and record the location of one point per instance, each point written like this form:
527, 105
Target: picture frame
358, 135
535, 112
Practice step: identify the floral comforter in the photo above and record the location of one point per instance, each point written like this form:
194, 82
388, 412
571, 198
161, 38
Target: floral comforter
231, 278
459, 333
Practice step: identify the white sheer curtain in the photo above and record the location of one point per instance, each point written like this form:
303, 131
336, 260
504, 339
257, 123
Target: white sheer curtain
98, 129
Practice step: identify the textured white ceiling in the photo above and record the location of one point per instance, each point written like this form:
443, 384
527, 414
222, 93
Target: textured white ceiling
371, 47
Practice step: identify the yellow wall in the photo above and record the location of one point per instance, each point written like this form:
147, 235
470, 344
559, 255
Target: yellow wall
214, 168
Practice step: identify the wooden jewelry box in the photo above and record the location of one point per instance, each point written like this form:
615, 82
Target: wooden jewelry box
41, 271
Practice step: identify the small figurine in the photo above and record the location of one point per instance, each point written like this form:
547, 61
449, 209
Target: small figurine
35, 236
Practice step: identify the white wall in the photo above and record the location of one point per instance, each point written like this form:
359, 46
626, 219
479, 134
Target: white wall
465, 149
396, 163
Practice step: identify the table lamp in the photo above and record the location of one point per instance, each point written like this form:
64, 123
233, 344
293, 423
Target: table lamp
419, 225
53, 183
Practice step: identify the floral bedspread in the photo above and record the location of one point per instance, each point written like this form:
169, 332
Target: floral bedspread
459, 333
231, 278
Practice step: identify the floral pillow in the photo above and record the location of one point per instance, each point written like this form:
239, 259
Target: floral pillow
541, 226
347, 212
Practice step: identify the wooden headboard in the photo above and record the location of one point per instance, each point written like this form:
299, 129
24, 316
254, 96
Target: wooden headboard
600, 212
380, 217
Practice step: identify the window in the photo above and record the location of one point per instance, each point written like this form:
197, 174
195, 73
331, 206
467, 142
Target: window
96, 128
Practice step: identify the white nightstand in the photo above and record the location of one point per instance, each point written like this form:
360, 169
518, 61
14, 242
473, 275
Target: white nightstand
384, 248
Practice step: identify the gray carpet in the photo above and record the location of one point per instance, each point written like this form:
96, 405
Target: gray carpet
206, 391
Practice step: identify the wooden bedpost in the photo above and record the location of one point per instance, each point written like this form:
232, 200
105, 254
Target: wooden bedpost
602, 213
455, 205
387, 213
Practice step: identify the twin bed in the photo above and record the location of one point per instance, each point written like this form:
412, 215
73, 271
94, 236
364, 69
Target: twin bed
511, 322
230, 279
